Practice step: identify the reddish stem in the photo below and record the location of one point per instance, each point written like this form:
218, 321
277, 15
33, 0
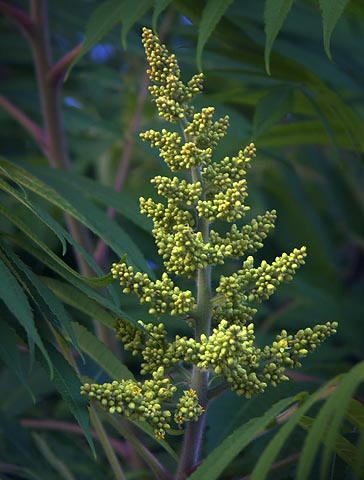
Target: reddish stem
19, 17
34, 130
58, 71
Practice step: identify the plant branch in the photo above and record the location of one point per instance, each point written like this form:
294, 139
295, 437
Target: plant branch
18, 16
58, 71
34, 130
105, 441
122, 448
122, 427
50, 97
192, 442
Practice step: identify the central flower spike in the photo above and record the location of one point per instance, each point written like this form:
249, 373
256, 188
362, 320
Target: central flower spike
203, 192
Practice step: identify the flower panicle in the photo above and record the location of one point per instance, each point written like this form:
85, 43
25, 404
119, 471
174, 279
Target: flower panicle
214, 194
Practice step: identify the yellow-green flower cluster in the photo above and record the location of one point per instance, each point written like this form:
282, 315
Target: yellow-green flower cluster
248, 239
258, 284
163, 294
230, 352
137, 400
287, 349
188, 408
180, 191
171, 95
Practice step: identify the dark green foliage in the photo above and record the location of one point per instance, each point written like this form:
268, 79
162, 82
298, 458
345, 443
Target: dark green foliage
307, 120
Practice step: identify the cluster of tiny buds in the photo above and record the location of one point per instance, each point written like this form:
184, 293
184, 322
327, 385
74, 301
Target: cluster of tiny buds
188, 409
162, 295
171, 95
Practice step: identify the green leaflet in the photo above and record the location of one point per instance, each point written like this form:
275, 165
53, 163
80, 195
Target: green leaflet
355, 414
343, 448
275, 13
9, 353
331, 11
47, 302
159, 6
68, 274
69, 200
134, 441
13, 296
68, 385
91, 306
102, 194
101, 21
328, 423
27, 231
72, 296
101, 354
220, 458
131, 12
21, 196
211, 15
313, 439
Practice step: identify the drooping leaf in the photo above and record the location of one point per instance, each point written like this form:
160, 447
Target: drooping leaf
75, 298
275, 13
46, 300
159, 6
101, 21
69, 200
211, 15
9, 353
336, 407
17, 303
68, 274
145, 427
343, 448
132, 11
41, 214
331, 11
101, 354
220, 457
312, 442
102, 194
68, 385
29, 233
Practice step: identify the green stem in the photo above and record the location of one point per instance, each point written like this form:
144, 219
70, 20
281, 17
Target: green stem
122, 427
105, 442
192, 442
